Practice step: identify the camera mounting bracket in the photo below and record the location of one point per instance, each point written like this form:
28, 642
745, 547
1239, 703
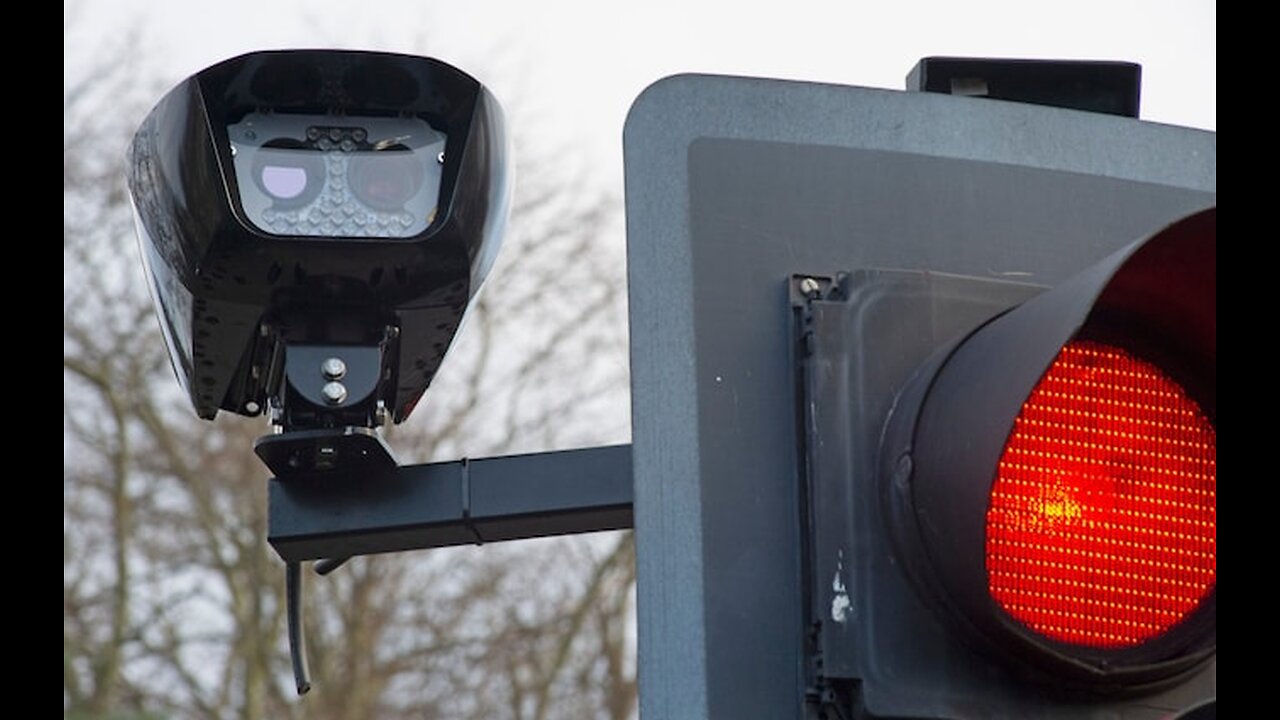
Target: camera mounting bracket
325, 411
303, 452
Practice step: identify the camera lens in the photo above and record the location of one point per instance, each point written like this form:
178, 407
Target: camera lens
386, 179
288, 172
379, 178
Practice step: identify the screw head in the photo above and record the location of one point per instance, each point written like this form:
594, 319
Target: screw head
333, 368
809, 286
334, 393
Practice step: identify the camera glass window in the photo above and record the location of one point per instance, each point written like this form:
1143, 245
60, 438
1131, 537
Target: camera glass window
288, 172
337, 176
385, 180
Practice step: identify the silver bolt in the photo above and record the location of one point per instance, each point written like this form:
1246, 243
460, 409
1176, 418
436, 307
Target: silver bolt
333, 368
251, 407
334, 393
809, 286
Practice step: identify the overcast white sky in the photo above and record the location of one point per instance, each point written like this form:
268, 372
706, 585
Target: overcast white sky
576, 65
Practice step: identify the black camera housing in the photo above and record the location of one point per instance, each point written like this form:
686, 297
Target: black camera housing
232, 297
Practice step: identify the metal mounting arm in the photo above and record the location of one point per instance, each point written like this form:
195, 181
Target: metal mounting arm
412, 507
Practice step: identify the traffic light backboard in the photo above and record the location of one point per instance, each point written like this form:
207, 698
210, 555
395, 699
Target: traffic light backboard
933, 213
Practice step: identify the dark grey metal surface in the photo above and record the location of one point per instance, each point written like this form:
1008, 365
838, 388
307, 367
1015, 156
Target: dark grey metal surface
864, 339
733, 185
338, 515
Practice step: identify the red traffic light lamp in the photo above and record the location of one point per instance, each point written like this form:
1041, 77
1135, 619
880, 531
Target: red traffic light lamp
1010, 490
1051, 478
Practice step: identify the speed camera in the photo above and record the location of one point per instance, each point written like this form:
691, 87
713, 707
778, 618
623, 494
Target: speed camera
313, 225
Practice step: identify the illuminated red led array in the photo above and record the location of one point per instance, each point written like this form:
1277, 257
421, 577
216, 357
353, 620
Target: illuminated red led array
1101, 529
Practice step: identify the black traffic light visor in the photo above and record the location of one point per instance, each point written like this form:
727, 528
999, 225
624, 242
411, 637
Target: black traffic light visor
950, 427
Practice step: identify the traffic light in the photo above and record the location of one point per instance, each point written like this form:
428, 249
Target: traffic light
1038, 530
924, 400
1052, 478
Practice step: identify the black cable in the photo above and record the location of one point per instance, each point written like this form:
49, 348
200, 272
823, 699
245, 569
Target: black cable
297, 643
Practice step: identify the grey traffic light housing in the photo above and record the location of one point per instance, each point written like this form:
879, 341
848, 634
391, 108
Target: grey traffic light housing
335, 204
936, 206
